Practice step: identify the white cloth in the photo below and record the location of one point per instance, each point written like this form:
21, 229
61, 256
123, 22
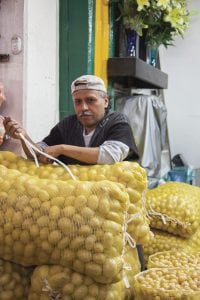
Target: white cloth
111, 152
87, 137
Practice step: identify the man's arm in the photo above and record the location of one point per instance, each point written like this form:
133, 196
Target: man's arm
87, 155
84, 154
107, 153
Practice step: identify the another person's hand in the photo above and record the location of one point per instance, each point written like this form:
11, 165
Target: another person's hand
13, 128
2, 95
2, 131
53, 151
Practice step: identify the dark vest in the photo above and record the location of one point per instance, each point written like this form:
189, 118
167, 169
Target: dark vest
114, 126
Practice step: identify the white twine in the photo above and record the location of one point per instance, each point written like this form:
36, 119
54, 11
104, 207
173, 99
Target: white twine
127, 238
133, 217
151, 212
54, 295
126, 281
144, 203
34, 149
165, 218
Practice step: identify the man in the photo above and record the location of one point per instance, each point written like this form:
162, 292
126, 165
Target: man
93, 135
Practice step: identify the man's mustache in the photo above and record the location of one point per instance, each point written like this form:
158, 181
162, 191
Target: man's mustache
85, 113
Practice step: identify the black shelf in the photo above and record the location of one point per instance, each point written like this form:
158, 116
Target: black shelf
134, 72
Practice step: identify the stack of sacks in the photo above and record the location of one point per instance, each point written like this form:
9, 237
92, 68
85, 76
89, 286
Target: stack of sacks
78, 224
174, 210
49, 282
14, 281
130, 174
81, 226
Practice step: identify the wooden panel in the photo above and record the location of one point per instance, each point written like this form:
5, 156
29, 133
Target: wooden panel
134, 72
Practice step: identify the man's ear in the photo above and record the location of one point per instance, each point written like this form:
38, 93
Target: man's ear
106, 99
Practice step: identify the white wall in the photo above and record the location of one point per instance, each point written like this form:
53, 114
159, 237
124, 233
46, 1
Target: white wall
182, 98
41, 85
11, 72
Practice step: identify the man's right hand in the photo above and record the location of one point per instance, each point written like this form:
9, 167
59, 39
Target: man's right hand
13, 128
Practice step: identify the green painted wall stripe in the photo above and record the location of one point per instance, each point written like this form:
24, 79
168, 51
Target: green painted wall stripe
76, 46
91, 36
63, 58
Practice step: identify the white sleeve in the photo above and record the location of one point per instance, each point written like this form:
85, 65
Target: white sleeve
111, 152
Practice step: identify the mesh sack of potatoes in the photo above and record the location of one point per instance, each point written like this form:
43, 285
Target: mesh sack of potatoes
75, 224
167, 283
57, 282
174, 207
130, 174
138, 225
173, 259
194, 241
14, 281
164, 241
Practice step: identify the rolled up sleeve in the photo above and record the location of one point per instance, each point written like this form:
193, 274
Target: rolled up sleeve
111, 152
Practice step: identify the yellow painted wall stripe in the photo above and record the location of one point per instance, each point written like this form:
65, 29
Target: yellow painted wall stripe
101, 45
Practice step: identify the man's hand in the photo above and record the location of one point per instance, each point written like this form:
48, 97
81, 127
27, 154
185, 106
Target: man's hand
13, 128
54, 151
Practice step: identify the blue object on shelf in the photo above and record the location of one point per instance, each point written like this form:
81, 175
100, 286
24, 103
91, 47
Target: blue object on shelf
181, 174
131, 40
152, 56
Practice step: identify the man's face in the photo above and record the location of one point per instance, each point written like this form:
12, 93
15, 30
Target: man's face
90, 107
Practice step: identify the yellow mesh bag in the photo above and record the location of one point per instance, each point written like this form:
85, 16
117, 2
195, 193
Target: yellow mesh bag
174, 207
173, 259
130, 174
75, 224
14, 281
138, 225
194, 241
164, 241
57, 282
167, 283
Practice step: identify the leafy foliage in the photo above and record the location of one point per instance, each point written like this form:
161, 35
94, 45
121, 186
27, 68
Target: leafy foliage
159, 20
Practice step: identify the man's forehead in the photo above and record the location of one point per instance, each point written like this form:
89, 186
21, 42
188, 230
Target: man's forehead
84, 93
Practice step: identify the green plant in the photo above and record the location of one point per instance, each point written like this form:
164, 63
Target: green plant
160, 21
